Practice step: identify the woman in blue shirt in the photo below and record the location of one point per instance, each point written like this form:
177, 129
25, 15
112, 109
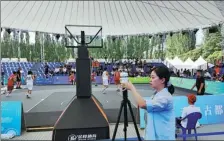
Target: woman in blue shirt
160, 113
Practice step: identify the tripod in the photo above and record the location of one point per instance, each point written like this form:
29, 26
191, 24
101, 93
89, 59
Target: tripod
125, 104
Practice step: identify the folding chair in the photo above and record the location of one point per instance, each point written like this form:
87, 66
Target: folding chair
191, 124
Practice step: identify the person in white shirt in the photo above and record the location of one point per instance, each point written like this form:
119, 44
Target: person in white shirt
56, 70
105, 79
188, 110
64, 69
29, 83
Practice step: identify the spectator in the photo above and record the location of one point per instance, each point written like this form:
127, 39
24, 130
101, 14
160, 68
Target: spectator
200, 83
188, 110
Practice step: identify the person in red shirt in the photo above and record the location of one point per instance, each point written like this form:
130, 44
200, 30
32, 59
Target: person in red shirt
117, 79
72, 78
11, 81
93, 78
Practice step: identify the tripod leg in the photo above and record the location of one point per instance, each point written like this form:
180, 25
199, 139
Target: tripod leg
125, 132
133, 118
118, 120
126, 114
125, 120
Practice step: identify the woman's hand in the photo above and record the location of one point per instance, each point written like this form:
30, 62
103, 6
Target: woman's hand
138, 98
128, 86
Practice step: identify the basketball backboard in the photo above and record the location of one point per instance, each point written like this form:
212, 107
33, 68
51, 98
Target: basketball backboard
93, 36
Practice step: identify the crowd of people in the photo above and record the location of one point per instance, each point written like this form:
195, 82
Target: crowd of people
160, 105
133, 68
214, 74
65, 69
136, 68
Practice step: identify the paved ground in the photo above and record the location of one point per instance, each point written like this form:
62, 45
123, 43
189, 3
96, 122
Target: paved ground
47, 135
46, 94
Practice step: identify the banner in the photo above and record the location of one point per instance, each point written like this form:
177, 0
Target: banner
11, 117
61, 80
211, 87
211, 106
43, 81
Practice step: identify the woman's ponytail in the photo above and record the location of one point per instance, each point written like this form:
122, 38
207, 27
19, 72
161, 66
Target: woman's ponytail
171, 89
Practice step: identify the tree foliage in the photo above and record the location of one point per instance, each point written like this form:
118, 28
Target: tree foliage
210, 50
180, 44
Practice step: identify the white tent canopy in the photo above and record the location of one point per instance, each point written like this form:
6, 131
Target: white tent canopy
177, 63
167, 62
188, 63
116, 17
200, 63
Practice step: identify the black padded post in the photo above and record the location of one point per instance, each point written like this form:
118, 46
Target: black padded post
83, 70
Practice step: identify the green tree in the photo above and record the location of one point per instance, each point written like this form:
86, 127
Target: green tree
15, 44
28, 50
118, 48
210, 50
37, 48
61, 50
178, 44
6, 43
130, 47
151, 46
22, 45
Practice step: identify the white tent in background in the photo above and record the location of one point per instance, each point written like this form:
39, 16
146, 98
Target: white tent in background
200, 63
210, 65
167, 62
177, 63
188, 64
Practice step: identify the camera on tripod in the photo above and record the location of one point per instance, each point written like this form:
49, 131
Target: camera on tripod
125, 104
123, 78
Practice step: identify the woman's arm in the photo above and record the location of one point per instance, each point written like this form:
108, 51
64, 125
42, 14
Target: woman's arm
138, 98
157, 105
152, 105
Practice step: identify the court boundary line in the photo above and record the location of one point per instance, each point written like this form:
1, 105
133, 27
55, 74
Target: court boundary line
39, 102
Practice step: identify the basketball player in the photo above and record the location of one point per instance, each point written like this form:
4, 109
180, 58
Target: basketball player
117, 79
72, 78
12, 78
93, 78
18, 78
29, 83
105, 78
